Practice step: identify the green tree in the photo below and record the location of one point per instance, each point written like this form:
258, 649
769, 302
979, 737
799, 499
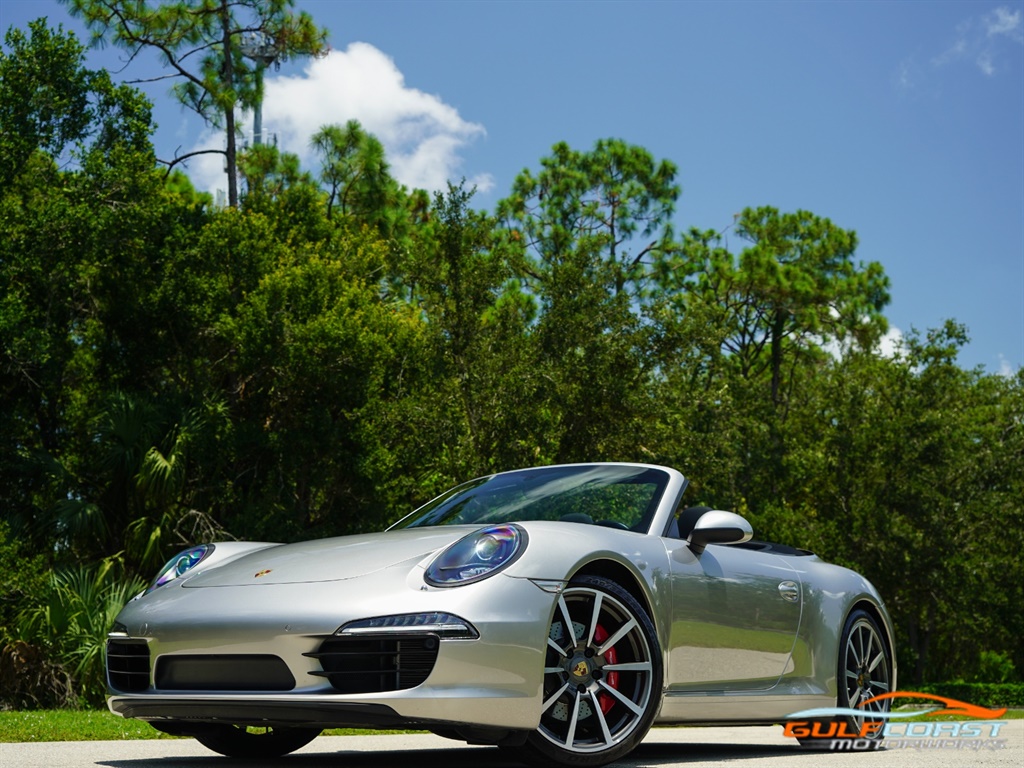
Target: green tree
362, 193
202, 43
613, 205
49, 102
772, 315
313, 353
74, 244
138, 492
588, 226
477, 404
44, 95
269, 172
355, 172
908, 470
793, 291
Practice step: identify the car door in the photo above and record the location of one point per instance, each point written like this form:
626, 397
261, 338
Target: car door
736, 612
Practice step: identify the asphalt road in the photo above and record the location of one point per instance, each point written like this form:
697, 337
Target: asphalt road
664, 748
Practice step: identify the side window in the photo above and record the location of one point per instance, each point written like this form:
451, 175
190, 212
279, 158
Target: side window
621, 505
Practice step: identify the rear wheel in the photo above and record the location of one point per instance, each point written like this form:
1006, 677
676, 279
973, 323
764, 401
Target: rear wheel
602, 677
251, 742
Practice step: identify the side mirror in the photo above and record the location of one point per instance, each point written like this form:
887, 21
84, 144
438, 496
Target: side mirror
718, 527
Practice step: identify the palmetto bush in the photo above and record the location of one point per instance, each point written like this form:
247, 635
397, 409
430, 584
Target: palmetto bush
65, 633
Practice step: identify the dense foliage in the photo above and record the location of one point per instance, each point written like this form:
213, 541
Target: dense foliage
336, 349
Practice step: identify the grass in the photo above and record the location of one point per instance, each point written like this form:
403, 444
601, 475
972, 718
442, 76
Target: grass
94, 725
72, 725
1011, 714
100, 725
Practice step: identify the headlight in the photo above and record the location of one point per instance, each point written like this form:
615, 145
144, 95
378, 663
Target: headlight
180, 564
477, 556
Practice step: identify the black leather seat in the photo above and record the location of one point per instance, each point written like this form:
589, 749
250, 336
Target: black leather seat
682, 526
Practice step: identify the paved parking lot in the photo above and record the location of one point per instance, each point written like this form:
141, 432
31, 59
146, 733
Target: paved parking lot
758, 747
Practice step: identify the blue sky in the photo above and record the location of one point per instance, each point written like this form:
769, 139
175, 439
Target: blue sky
901, 120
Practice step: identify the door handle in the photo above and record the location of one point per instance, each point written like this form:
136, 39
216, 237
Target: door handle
790, 591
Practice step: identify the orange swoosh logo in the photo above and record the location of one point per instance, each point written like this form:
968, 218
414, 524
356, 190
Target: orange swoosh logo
951, 706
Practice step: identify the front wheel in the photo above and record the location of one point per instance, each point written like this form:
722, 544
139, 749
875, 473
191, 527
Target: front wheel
602, 677
864, 673
249, 742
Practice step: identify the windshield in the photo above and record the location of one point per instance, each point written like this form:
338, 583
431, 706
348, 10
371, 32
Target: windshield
614, 495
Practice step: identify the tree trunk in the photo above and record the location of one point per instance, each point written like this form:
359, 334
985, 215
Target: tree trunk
229, 110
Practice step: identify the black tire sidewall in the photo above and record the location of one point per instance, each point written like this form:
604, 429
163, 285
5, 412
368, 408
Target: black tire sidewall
235, 741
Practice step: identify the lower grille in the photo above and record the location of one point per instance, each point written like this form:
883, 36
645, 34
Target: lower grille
376, 664
128, 665
223, 672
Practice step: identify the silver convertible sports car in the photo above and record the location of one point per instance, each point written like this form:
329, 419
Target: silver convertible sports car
558, 612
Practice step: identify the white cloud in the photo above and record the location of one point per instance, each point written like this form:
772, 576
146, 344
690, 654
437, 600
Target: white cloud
906, 76
889, 345
1003, 21
1006, 368
207, 171
956, 51
422, 135
978, 41
985, 63
891, 342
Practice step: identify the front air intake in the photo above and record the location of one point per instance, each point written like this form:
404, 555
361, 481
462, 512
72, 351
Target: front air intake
223, 672
363, 664
128, 665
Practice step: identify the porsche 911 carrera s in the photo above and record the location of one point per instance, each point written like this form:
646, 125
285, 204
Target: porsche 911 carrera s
557, 612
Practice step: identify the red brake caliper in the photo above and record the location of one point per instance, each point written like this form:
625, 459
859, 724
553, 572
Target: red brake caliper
612, 678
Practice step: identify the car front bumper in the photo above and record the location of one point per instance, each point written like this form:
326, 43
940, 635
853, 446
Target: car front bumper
493, 680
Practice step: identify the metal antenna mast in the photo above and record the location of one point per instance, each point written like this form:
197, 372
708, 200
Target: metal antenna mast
261, 49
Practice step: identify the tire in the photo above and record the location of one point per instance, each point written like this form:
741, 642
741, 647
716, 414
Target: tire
240, 741
599, 698
864, 671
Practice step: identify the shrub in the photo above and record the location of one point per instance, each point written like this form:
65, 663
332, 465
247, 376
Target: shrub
992, 695
64, 634
30, 680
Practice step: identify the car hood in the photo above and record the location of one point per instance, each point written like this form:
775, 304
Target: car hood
336, 559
